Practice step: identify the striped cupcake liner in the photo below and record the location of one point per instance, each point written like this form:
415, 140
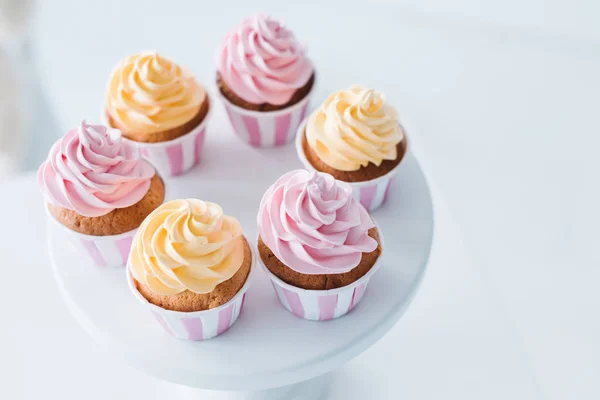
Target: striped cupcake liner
198, 325
374, 193
176, 157
103, 251
269, 128
322, 305
371, 194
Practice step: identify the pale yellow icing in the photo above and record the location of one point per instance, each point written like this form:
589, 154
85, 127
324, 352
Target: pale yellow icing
186, 244
354, 127
149, 93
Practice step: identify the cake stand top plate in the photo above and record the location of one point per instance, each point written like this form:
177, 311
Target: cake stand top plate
268, 346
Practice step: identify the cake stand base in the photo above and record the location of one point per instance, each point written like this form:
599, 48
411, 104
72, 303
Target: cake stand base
312, 389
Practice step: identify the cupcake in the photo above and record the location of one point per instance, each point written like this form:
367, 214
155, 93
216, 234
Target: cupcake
319, 245
265, 80
355, 136
190, 264
99, 189
159, 104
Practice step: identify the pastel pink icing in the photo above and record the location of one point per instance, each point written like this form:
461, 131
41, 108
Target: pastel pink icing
261, 61
313, 224
92, 171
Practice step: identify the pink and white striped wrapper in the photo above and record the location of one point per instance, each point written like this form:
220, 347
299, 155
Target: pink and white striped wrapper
269, 128
371, 194
104, 251
174, 157
322, 305
177, 156
198, 325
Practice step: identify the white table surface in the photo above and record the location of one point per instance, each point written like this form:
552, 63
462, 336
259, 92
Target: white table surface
507, 136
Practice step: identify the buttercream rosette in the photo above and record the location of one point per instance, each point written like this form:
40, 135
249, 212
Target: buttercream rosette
353, 128
186, 245
313, 225
92, 171
149, 93
262, 62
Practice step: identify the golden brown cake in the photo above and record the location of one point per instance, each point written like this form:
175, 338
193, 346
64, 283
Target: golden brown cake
161, 136
117, 221
233, 98
319, 281
371, 171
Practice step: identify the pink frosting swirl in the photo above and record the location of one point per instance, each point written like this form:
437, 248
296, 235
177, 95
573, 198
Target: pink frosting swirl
261, 61
92, 171
313, 224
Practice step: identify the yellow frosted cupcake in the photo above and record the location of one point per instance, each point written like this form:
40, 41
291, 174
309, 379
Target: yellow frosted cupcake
151, 99
160, 105
356, 137
189, 256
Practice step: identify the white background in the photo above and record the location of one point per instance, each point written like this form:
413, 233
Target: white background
505, 97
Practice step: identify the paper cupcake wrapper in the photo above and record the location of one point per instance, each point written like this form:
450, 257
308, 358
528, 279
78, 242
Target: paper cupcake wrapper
175, 157
371, 194
266, 129
103, 251
198, 325
322, 305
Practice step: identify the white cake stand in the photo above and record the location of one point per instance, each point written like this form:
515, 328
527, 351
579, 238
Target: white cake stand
269, 353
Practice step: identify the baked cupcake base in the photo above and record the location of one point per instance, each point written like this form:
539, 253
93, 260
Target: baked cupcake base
163, 136
117, 221
238, 101
371, 171
324, 305
188, 301
323, 281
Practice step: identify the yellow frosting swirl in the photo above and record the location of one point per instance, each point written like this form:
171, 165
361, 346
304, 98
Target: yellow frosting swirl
186, 244
354, 127
149, 93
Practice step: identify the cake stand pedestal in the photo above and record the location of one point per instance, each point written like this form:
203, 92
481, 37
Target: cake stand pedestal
311, 389
269, 354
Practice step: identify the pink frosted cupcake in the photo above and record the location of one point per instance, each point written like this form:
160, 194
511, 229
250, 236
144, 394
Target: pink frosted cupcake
98, 189
318, 243
265, 80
